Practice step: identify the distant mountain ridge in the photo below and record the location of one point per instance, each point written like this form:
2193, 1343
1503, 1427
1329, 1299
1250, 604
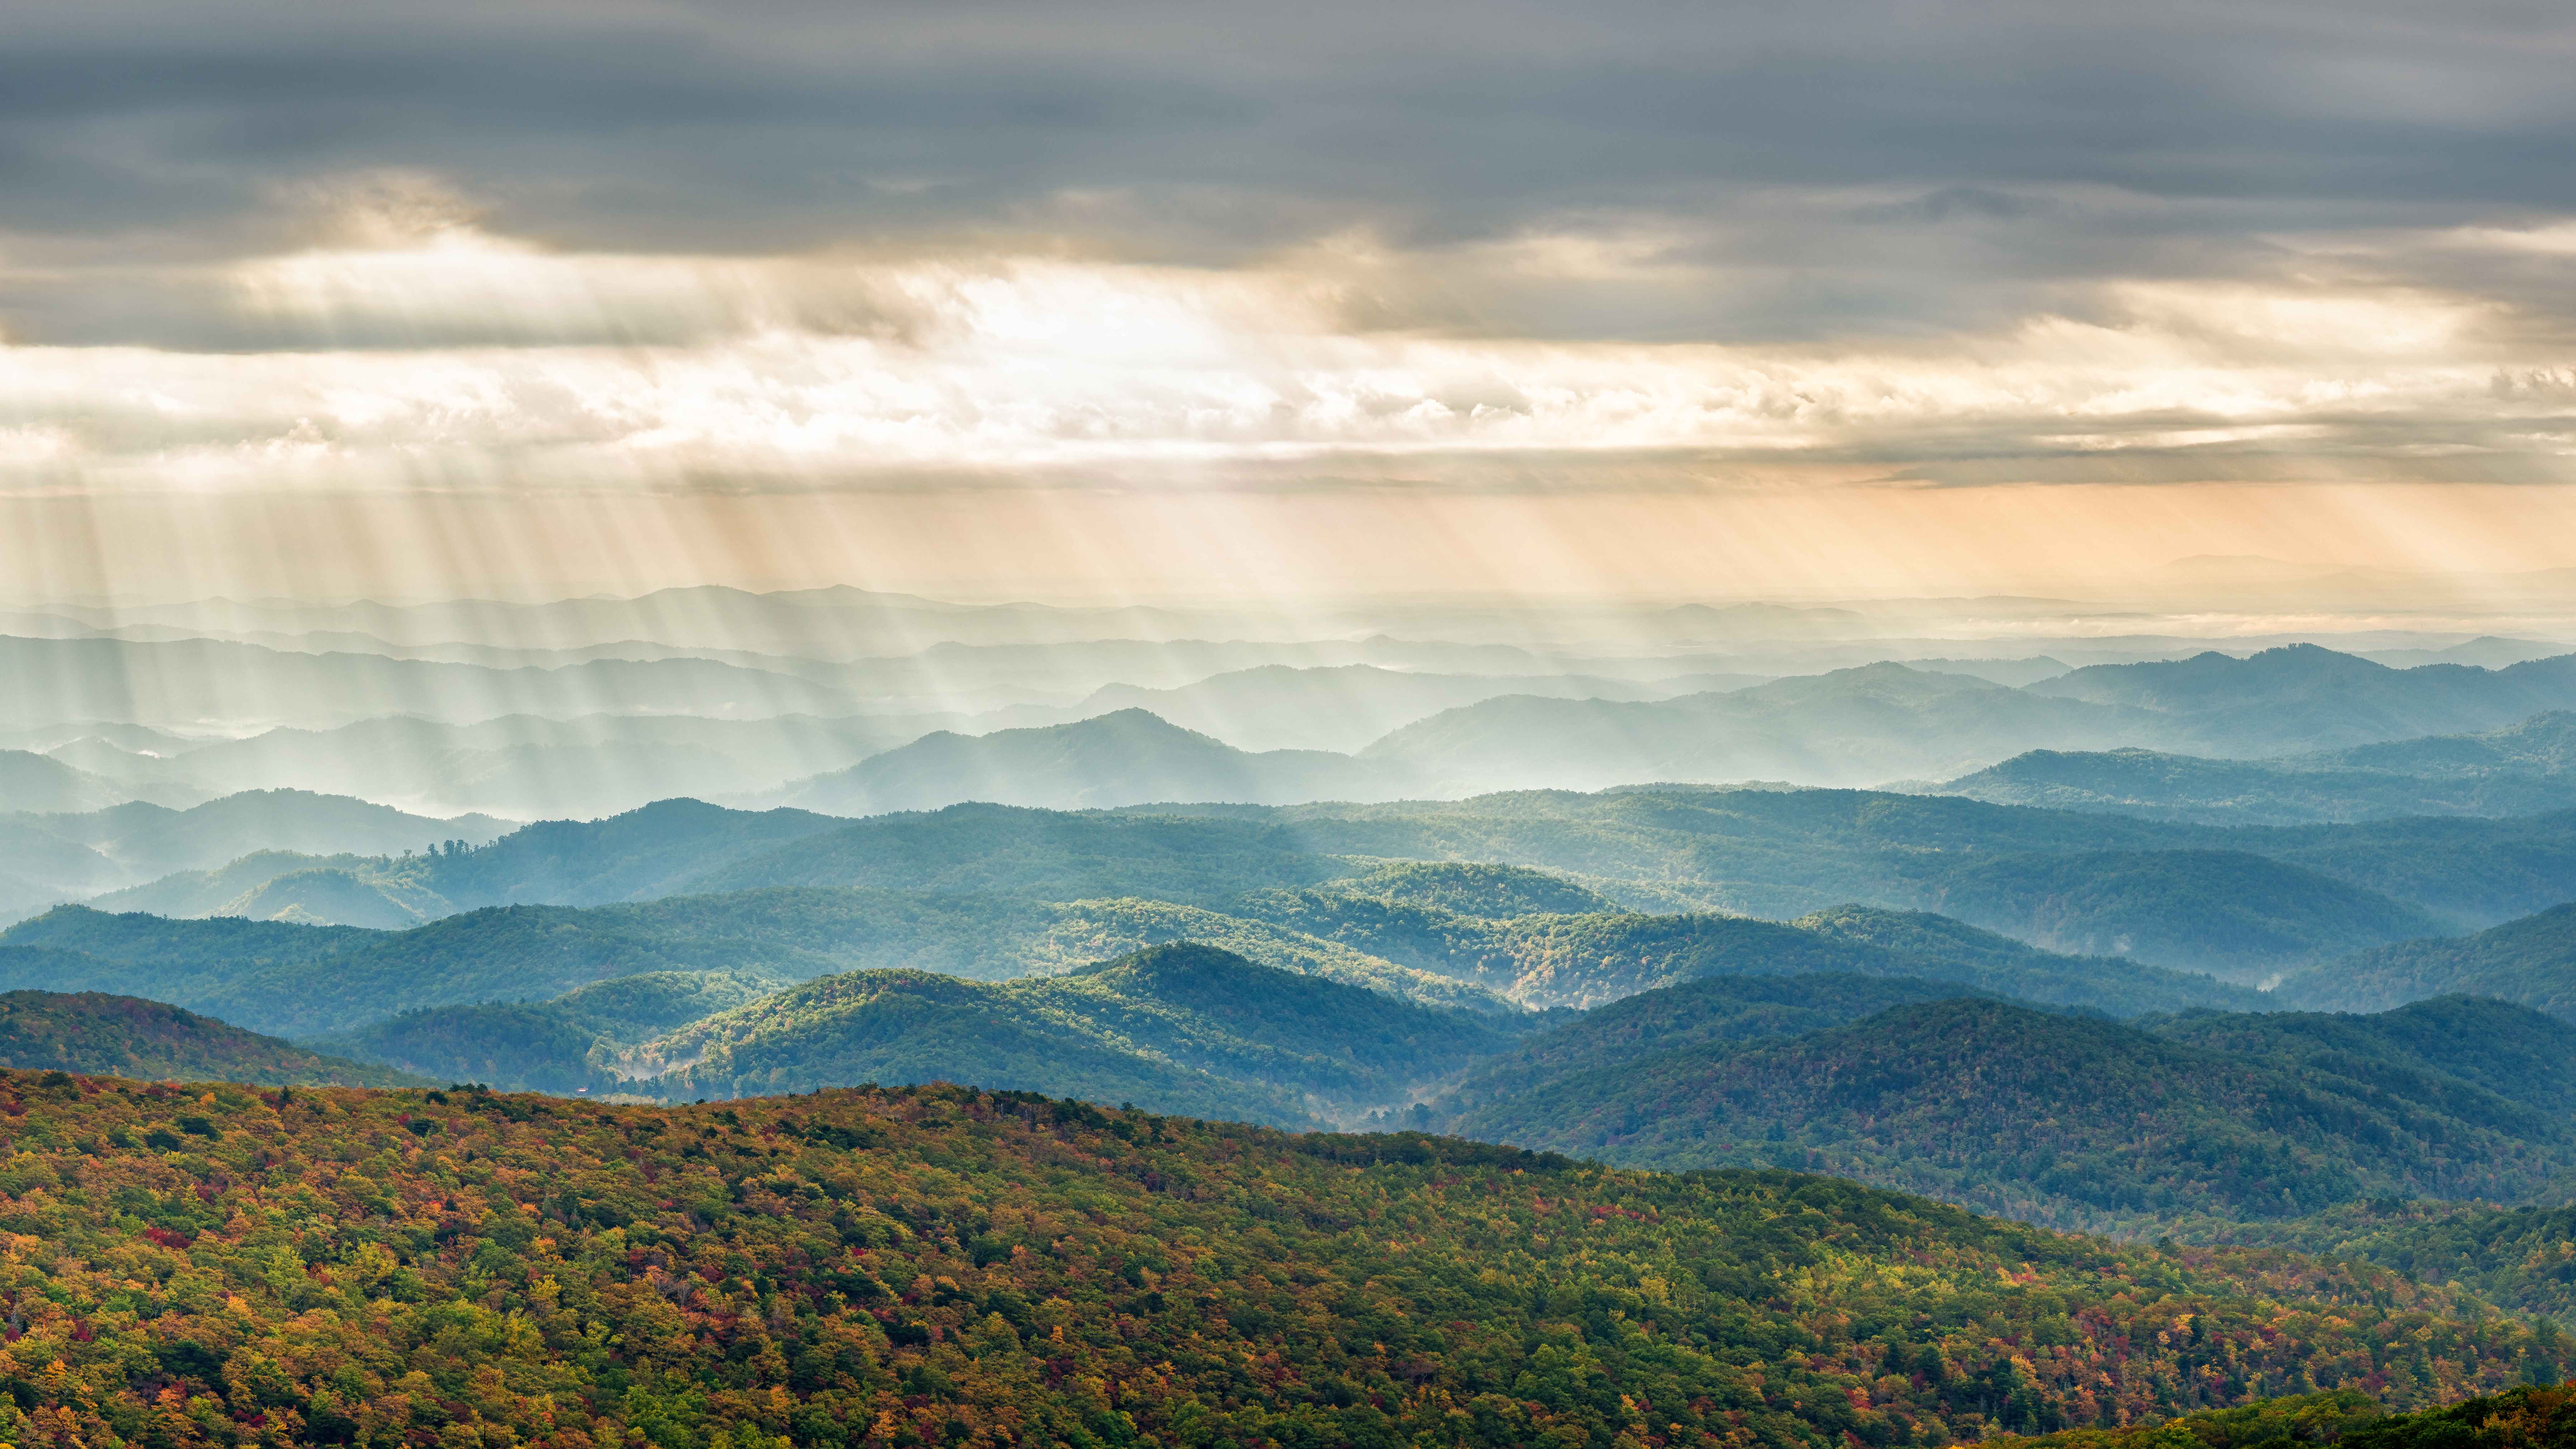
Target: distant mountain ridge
2072, 1121
1884, 721
46, 858
2066, 879
2304, 697
2524, 769
1128, 757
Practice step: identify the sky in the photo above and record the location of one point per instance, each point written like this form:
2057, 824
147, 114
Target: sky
1127, 300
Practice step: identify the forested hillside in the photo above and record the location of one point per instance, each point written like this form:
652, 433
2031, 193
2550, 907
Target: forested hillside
2515, 1419
1586, 960
1178, 1028
2224, 911
129, 1037
2518, 1258
2523, 769
1782, 853
2073, 1121
1640, 1027
946, 1266
2531, 961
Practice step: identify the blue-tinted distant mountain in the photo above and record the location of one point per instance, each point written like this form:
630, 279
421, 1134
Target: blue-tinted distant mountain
1885, 721
38, 870
2227, 912
640, 854
299, 979
1039, 855
2487, 651
48, 858
1584, 960
2521, 770
1470, 888
643, 853
1765, 852
2531, 961
277, 885
1342, 709
33, 782
529, 766
2301, 697
1783, 853
1875, 722
151, 840
2012, 672
1130, 757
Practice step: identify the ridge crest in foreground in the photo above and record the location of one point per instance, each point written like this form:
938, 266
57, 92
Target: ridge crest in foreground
940, 1265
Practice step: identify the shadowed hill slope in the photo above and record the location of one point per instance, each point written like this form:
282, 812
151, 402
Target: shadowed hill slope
129, 1037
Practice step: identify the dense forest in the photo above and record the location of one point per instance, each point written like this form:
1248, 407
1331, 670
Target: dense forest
2525, 961
2521, 1418
125, 1036
2065, 1119
228, 1265
703, 1256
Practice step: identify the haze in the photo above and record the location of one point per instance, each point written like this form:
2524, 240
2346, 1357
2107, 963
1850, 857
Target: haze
1167, 302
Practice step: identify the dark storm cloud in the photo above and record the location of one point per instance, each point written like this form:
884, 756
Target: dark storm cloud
1871, 167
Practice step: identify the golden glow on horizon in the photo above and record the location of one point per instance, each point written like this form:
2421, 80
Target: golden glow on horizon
1088, 546
414, 407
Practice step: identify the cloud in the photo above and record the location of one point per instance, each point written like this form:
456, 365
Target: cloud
447, 356
1451, 246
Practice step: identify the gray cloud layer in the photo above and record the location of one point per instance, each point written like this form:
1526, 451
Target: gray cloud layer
1494, 246
1858, 168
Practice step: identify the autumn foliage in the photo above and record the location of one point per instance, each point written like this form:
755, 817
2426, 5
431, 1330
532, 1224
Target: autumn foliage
939, 1266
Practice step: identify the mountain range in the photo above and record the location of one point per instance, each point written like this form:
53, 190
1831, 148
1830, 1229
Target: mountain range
2067, 1120
47, 857
2524, 769
1252, 722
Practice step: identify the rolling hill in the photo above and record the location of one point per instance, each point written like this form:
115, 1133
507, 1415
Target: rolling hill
1848, 727
1768, 852
743, 1272
305, 980
2522, 770
1127, 757
2226, 912
31, 782
1585, 960
1496, 892
1782, 853
2531, 961
2062, 1119
1341, 708
1711, 1009
1189, 1027
530, 766
2302, 697
48, 858
1039, 855
125, 1036
336, 890
150, 840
